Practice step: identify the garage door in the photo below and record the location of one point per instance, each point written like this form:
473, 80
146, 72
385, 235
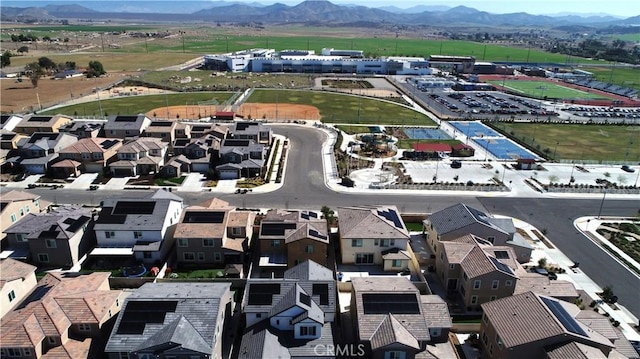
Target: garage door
228, 174
122, 172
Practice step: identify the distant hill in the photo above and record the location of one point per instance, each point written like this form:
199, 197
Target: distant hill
414, 9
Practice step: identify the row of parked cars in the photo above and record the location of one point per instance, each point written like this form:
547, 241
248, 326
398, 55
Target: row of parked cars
605, 112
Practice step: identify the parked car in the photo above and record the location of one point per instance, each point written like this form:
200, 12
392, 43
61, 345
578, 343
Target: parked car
541, 271
553, 276
627, 169
456, 164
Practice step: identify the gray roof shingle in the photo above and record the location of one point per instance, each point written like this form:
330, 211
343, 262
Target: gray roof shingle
459, 216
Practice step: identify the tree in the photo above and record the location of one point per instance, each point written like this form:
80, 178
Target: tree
95, 69
5, 59
542, 263
46, 63
328, 214
34, 71
553, 179
23, 49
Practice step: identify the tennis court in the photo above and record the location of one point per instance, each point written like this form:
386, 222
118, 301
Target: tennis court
504, 149
474, 129
422, 133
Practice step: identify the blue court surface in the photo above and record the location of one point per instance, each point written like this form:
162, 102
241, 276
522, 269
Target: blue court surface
421, 133
504, 149
474, 129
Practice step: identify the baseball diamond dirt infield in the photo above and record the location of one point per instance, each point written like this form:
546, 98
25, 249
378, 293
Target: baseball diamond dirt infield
268, 111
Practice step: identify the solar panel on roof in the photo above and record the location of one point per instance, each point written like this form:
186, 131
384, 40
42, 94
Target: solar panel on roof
567, 321
276, 229
204, 217
501, 254
305, 299
137, 314
313, 214
40, 119
76, 224
162, 124
314, 233
304, 216
126, 119
236, 143
4, 119
392, 215
394, 303
241, 126
128, 207
321, 290
501, 266
262, 293
108, 144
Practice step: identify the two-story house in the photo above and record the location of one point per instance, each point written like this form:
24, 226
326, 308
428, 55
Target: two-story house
63, 317
141, 156
172, 320
54, 239
373, 235
200, 152
164, 130
213, 233
215, 129
391, 319
83, 129
17, 279
460, 219
31, 124
290, 237
290, 316
123, 126
9, 154
139, 224
183, 130
241, 158
14, 205
91, 155
41, 149
256, 131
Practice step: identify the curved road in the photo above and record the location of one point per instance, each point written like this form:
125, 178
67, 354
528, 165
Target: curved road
304, 187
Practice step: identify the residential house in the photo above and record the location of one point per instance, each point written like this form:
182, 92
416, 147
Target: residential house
541, 284
54, 239
9, 140
291, 316
14, 205
368, 231
31, 124
9, 122
141, 156
172, 320
200, 152
164, 130
241, 158
123, 126
215, 129
94, 154
213, 233
9, 154
289, 237
183, 130
460, 219
256, 131
63, 317
176, 166
17, 279
391, 319
83, 129
139, 225
529, 325
39, 150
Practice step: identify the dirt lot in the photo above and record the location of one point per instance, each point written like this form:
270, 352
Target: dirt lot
285, 111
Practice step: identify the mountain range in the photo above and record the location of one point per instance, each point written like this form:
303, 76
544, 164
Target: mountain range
311, 11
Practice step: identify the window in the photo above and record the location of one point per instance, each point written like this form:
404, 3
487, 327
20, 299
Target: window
396, 263
109, 234
452, 266
183, 242
21, 212
485, 318
188, 256
476, 284
485, 339
275, 243
364, 258
201, 256
308, 331
474, 299
508, 283
495, 284
51, 243
387, 242
13, 352
258, 315
21, 237
36, 203
12, 296
43, 257
217, 257
465, 276
137, 234
13, 217
84, 327
442, 255
395, 354
26, 352
356, 243
27, 208
491, 239
308, 248
462, 290
52, 340
499, 341
236, 231
207, 242
117, 302
491, 349
492, 298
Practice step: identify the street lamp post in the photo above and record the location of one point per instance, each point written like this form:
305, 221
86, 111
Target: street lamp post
604, 195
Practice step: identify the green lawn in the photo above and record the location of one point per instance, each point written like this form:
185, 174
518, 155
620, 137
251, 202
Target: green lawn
623, 76
343, 108
579, 142
201, 273
209, 80
353, 129
543, 89
137, 104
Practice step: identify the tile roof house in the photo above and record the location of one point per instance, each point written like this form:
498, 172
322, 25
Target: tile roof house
9, 140
122, 126
54, 239
201, 151
172, 320
392, 319
241, 158
141, 156
138, 224
14, 205
39, 151
164, 130
83, 129
213, 233
62, 318
530, 325
256, 131
176, 166
460, 219
289, 237
38, 123
199, 130
17, 279
290, 316
9, 122
94, 153
368, 231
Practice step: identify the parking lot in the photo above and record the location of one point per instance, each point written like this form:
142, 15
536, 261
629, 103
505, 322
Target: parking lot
476, 172
610, 114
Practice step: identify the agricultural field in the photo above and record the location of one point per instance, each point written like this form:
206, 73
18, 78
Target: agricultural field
544, 89
342, 108
579, 142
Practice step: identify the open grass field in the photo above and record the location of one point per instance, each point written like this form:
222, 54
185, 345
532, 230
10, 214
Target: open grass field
138, 104
623, 76
543, 89
216, 80
579, 142
339, 108
112, 61
353, 129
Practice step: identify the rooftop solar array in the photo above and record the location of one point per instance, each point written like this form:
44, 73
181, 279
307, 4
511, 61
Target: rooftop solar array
392, 215
7, 136
394, 303
307, 215
305, 299
76, 224
137, 314
241, 126
501, 254
126, 119
322, 290
276, 228
203, 217
130, 207
40, 119
237, 143
109, 143
567, 321
262, 293
39, 136
501, 266
314, 233
4, 118
161, 124
479, 216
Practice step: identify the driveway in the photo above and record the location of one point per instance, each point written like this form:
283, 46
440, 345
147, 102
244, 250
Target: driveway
83, 181
193, 182
117, 183
25, 182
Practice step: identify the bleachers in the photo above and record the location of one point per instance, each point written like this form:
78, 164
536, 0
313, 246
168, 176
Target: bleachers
603, 86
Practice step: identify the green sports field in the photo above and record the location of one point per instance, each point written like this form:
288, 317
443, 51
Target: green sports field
543, 89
